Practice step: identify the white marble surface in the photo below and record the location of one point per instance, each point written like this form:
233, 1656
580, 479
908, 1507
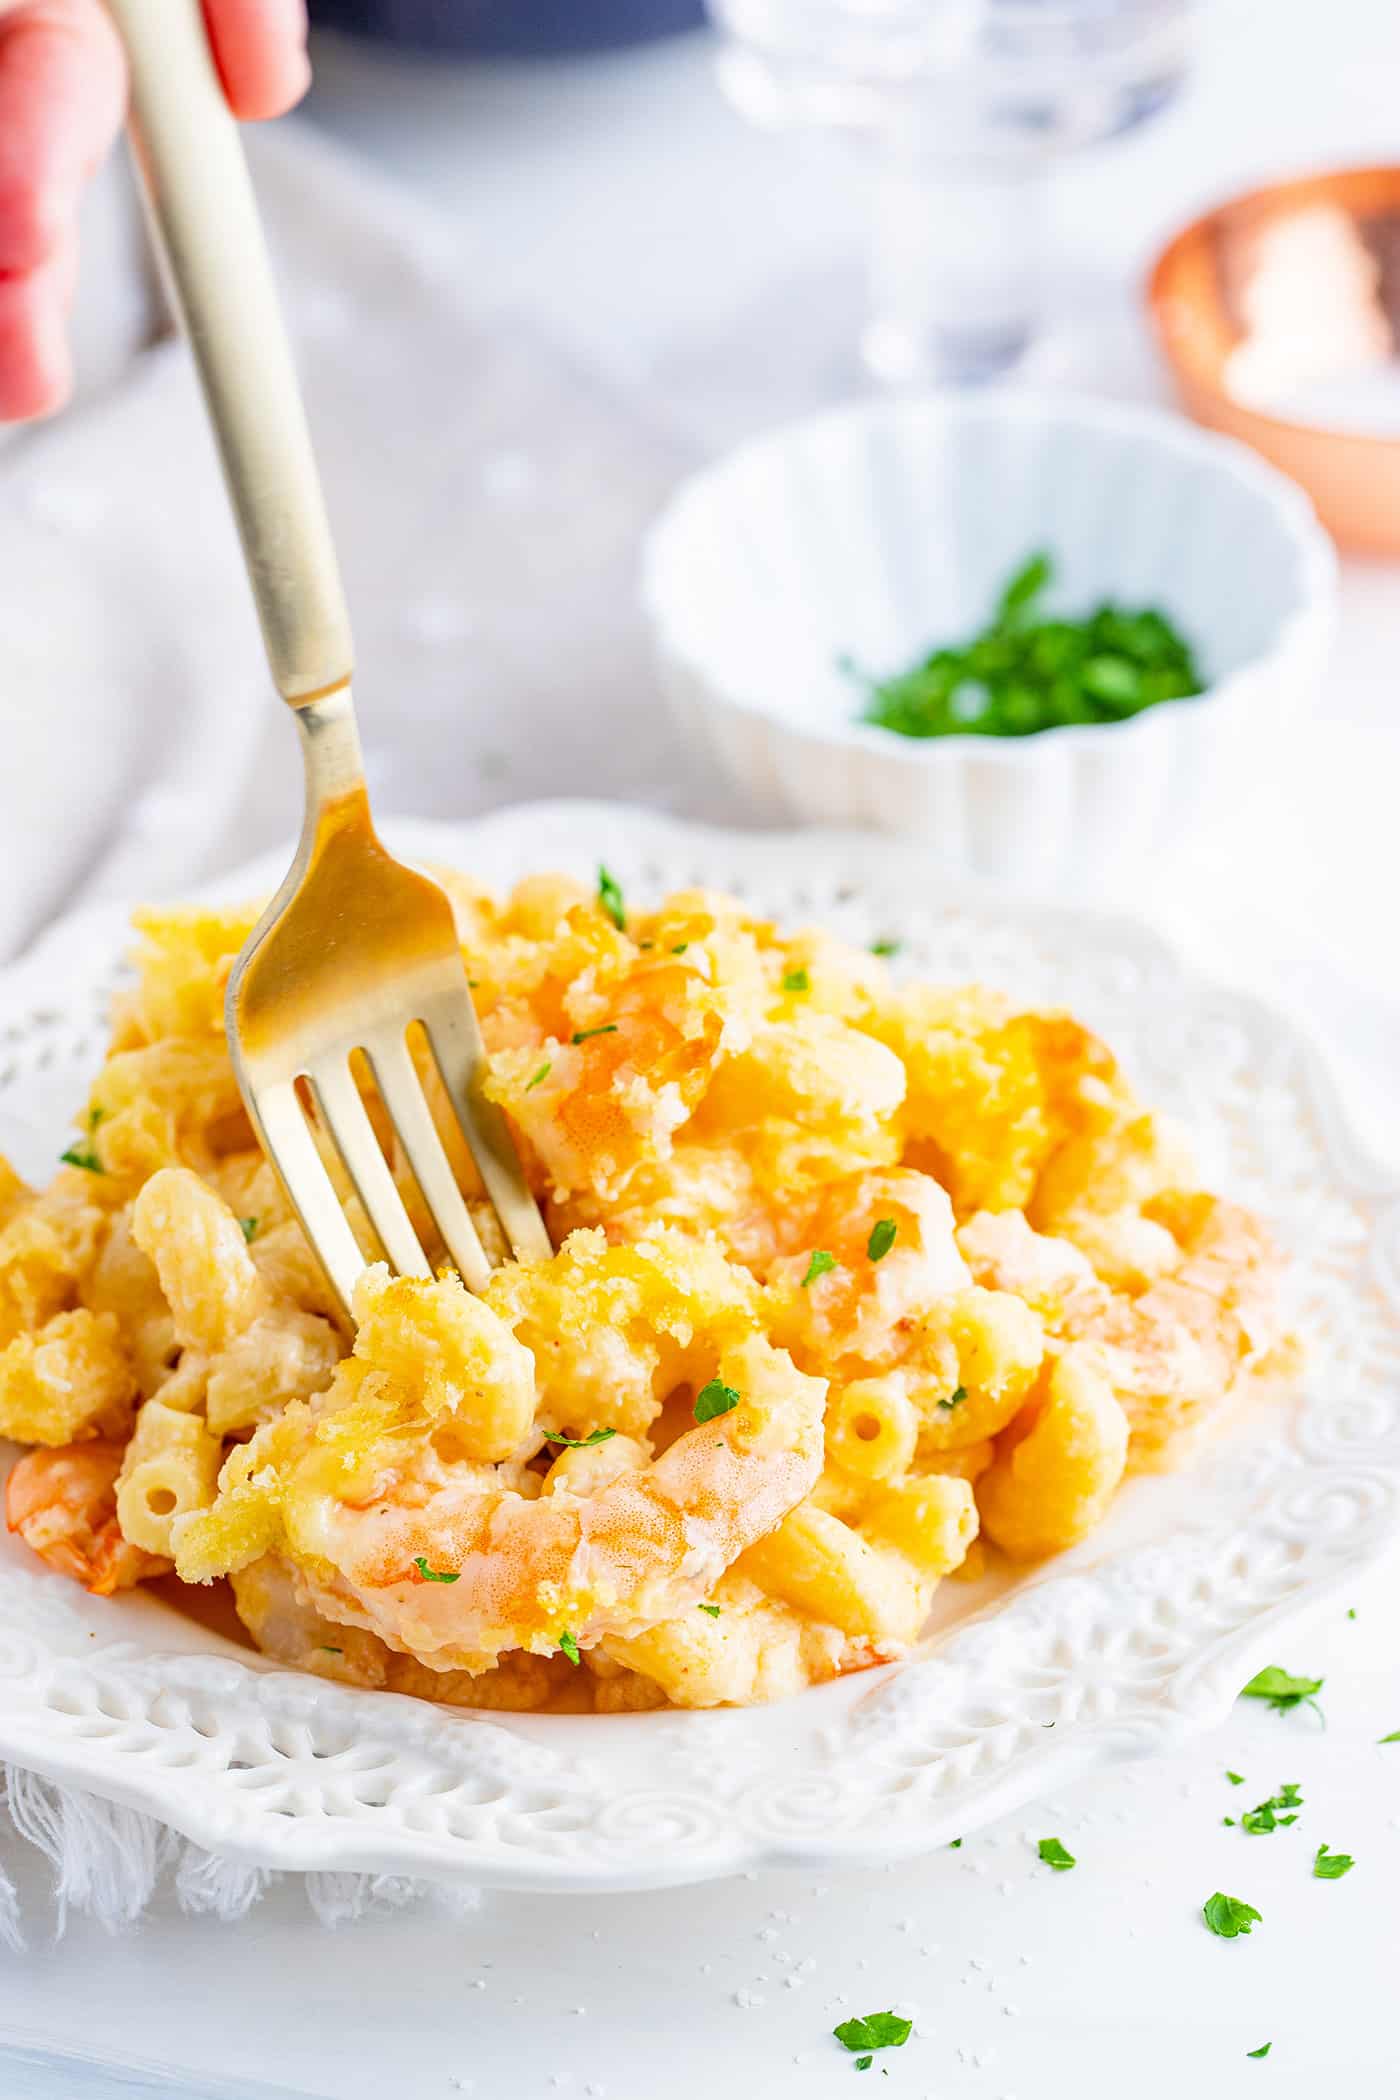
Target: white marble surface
622, 207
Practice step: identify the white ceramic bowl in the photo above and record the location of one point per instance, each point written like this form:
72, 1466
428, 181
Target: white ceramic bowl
883, 529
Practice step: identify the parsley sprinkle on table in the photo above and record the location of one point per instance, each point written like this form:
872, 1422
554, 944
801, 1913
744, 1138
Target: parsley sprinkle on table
1235, 1778
582, 1443
821, 1264
1054, 1855
540, 1073
882, 1236
1263, 2050
1258, 1821
713, 1399
427, 1574
569, 1646
885, 2030
1025, 672
248, 1227
1330, 1866
797, 981
610, 898
1282, 1690
885, 947
583, 1035
1393, 1737
863, 2063
1227, 1917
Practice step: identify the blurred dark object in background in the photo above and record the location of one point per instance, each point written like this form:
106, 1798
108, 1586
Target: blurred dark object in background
510, 28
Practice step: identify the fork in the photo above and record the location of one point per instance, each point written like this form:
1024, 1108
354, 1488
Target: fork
355, 948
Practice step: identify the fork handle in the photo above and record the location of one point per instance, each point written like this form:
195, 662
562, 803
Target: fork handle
205, 224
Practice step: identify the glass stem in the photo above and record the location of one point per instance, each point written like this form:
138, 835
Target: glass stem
954, 259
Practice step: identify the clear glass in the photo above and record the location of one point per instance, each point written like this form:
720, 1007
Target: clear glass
961, 107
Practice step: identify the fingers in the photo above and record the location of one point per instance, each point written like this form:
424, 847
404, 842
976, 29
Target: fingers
260, 50
36, 372
61, 94
60, 103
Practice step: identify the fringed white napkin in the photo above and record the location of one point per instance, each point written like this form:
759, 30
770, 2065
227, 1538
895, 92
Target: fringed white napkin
487, 502
108, 1862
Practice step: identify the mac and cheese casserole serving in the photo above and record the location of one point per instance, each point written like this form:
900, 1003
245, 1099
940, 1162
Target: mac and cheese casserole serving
855, 1281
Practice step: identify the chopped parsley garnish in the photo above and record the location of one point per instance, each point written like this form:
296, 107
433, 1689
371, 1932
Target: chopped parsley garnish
582, 1035
326, 1649
1282, 1690
1330, 1866
882, 1235
954, 1399
713, 1399
885, 947
1054, 1855
1026, 672
248, 1227
680, 947
1235, 1778
82, 1156
953, 1844
569, 1646
1259, 1821
538, 1076
797, 981
710, 1610
427, 1574
885, 2030
85, 1155
610, 898
581, 1443
1263, 2050
1393, 1737
1227, 1917
863, 2063
821, 1264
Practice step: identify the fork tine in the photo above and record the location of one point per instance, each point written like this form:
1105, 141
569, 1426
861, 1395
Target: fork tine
454, 1038
345, 1116
281, 1125
402, 1094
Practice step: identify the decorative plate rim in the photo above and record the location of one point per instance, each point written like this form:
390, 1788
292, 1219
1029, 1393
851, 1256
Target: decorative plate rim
1121, 1650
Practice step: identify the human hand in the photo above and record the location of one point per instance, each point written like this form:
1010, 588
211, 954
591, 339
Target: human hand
62, 93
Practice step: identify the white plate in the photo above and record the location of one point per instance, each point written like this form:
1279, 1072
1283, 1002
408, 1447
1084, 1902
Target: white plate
1139, 1638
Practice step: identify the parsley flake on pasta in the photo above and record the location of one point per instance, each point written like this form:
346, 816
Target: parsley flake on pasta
715, 1399
610, 898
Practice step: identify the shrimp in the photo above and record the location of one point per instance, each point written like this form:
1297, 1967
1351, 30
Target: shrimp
455, 1561
921, 1360
1174, 1350
63, 1504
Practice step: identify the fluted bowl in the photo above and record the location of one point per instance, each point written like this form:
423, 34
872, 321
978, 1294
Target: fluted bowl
876, 532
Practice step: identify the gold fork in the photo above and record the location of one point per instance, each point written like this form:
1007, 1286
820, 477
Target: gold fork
355, 948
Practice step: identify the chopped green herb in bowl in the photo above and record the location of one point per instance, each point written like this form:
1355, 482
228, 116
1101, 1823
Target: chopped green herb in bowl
1026, 672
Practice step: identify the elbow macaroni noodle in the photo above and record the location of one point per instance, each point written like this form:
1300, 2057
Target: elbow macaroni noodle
853, 1283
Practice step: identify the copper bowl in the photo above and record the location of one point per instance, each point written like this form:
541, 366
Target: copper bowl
1279, 313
